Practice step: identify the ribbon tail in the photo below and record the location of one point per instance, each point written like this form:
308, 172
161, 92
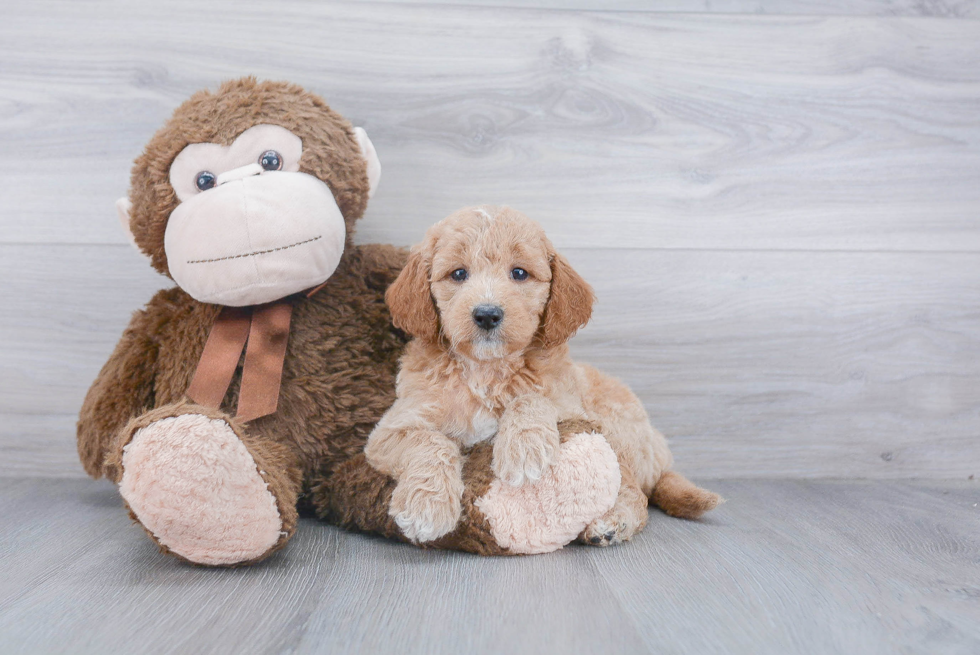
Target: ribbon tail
264, 357
220, 357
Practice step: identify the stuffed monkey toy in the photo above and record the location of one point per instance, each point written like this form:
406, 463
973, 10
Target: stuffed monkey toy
247, 392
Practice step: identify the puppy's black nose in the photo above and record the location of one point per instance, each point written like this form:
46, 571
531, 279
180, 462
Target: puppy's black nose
487, 316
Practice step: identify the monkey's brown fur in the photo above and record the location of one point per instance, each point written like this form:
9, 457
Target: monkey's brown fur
339, 371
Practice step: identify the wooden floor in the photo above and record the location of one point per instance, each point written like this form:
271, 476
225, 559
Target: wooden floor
783, 567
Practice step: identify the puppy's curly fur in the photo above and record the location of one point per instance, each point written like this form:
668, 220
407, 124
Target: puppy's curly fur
491, 306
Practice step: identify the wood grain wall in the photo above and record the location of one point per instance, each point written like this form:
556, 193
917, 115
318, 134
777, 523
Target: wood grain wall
777, 202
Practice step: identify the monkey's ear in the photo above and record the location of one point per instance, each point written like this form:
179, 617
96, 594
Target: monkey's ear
123, 209
569, 306
410, 302
371, 156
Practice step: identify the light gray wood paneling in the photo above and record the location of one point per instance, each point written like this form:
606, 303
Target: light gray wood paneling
38, 445
929, 8
807, 364
782, 568
646, 129
800, 364
800, 194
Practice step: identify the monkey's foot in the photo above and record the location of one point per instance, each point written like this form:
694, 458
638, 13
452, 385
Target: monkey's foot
579, 487
196, 489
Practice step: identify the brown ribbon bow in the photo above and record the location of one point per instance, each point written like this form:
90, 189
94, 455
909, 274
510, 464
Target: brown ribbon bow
265, 328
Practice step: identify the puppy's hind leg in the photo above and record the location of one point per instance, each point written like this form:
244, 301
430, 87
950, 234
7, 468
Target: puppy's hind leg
626, 518
642, 451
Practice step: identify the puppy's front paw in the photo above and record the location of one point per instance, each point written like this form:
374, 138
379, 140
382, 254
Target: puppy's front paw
526, 454
426, 507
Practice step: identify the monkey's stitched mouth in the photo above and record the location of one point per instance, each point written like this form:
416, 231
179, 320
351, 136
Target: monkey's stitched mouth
253, 254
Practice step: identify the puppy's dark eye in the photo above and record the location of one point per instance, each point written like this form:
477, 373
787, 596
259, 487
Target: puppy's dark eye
459, 275
519, 274
205, 180
270, 160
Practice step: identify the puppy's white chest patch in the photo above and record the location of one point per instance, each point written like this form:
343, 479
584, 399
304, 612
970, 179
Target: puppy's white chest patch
483, 426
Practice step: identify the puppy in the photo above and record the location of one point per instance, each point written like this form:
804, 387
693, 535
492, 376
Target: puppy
491, 306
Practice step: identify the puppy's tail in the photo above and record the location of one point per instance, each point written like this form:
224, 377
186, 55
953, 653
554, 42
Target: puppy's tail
678, 496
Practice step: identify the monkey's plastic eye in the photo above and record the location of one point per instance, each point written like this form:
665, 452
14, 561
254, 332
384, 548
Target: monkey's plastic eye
205, 180
270, 160
459, 275
519, 274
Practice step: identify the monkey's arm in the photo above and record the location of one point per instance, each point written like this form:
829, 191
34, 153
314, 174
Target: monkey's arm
122, 390
358, 497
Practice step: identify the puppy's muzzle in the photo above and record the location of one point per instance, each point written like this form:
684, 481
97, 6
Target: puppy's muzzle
487, 317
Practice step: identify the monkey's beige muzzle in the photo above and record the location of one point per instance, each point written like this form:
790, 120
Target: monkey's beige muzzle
256, 237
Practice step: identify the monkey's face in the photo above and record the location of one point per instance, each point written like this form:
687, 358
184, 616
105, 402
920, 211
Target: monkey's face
250, 228
249, 194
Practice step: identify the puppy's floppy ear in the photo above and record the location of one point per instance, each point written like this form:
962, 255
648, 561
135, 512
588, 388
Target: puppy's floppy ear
569, 305
410, 301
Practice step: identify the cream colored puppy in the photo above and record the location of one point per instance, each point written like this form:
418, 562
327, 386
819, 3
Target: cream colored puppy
491, 305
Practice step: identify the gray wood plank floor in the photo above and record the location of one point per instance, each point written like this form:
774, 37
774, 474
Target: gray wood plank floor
783, 567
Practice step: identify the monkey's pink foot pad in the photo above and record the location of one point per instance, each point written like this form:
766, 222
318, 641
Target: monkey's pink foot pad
580, 486
192, 483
